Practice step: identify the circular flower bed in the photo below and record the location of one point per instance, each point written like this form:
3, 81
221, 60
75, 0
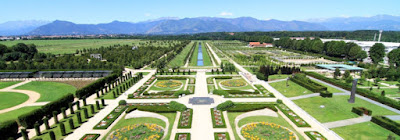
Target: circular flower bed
169, 84
138, 132
265, 130
234, 83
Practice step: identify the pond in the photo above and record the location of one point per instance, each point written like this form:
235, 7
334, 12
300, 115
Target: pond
200, 56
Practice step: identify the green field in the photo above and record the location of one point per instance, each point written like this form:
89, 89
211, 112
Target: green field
337, 108
277, 76
13, 115
49, 91
193, 58
364, 131
7, 84
70, 45
278, 120
179, 59
124, 122
291, 91
206, 56
10, 99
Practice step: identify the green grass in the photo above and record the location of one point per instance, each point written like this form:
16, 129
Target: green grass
7, 84
277, 77
330, 89
291, 91
193, 58
246, 87
391, 92
71, 45
124, 122
179, 59
10, 99
154, 87
56, 127
49, 91
337, 108
364, 131
206, 57
390, 82
278, 120
13, 115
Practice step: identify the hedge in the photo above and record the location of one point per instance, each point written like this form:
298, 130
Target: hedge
363, 92
171, 78
214, 122
8, 129
181, 92
223, 77
361, 111
96, 85
242, 92
177, 134
241, 107
225, 105
326, 94
220, 92
157, 109
177, 106
387, 124
302, 80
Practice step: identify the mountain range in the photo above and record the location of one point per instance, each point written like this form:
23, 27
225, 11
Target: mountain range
171, 25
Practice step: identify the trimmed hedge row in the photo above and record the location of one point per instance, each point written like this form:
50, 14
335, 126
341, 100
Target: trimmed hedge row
227, 92
387, 124
8, 129
157, 109
326, 94
239, 107
361, 110
302, 80
97, 85
29, 119
171, 78
225, 105
363, 92
223, 77
177, 106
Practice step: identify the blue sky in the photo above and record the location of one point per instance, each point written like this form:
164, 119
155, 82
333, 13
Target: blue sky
103, 11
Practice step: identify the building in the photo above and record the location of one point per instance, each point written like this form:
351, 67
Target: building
341, 67
96, 56
258, 44
301, 38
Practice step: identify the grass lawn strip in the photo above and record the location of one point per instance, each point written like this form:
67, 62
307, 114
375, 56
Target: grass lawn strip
13, 115
330, 89
337, 108
206, 56
7, 84
364, 131
292, 90
49, 91
193, 58
10, 99
179, 59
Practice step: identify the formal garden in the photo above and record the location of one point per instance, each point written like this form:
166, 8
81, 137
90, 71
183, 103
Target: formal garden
266, 130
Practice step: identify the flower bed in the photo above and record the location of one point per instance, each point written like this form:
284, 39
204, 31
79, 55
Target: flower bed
182, 136
218, 118
151, 80
221, 136
264, 91
314, 135
185, 121
234, 83
293, 116
140, 91
110, 118
168, 84
265, 130
192, 81
90, 137
143, 131
191, 89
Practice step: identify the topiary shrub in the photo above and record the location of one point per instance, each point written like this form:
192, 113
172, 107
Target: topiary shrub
325, 94
177, 106
361, 110
122, 102
225, 105
62, 129
8, 129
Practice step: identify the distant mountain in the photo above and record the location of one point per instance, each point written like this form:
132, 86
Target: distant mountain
176, 26
20, 27
379, 22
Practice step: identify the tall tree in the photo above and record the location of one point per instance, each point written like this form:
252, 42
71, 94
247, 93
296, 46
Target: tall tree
394, 57
377, 52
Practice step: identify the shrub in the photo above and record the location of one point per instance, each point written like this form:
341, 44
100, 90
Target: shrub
225, 105
62, 129
302, 80
71, 124
223, 77
220, 92
242, 92
52, 135
241, 107
186, 92
46, 123
171, 78
37, 129
177, 106
361, 110
24, 134
157, 109
8, 129
326, 94
279, 101
98, 84
387, 124
129, 110
122, 102
29, 119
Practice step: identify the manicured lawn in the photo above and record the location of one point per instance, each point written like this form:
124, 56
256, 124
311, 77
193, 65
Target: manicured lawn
124, 122
7, 84
330, 89
193, 58
337, 108
13, 115
277, 77
364, 131
245, 87
292, 90
206, 57
155, 87
10, 99
392, 92
278, 120
179, 59
390, 82
49, 91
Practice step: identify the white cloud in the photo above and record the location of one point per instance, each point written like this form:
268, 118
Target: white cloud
147, 14
226, 14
